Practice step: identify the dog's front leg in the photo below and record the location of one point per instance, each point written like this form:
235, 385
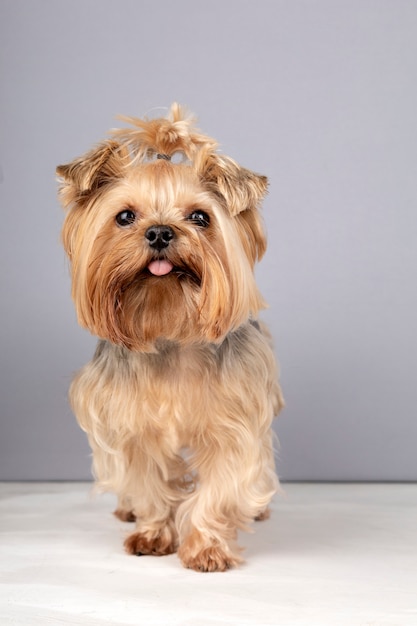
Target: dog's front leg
236, 483
154, 496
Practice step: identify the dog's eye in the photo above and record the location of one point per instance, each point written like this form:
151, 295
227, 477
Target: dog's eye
125, 218
199, 218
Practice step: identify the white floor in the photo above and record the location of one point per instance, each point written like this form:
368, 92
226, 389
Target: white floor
331, 555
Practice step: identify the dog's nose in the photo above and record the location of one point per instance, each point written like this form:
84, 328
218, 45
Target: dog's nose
159, 237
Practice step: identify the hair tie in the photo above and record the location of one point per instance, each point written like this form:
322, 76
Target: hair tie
165, 157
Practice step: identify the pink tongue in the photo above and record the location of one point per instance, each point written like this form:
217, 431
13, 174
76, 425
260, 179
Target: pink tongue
160, 267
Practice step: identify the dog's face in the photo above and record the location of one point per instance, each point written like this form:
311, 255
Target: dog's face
162, 250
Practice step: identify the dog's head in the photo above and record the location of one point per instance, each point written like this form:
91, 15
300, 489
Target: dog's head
163, 234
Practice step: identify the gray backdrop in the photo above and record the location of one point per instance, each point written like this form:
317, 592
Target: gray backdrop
320, 96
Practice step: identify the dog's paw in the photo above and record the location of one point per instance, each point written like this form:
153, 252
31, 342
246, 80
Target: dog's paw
125, 516
204, 554
149, 543
212, 559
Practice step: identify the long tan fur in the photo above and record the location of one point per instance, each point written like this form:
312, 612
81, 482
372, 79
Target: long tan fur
179, 397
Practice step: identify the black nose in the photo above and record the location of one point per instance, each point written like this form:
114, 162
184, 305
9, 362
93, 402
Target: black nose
159, 237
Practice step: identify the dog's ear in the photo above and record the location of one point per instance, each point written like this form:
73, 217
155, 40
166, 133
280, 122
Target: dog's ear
239, 188
88, 173
84, 177
241, 192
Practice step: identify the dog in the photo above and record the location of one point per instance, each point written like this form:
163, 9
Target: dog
163, 232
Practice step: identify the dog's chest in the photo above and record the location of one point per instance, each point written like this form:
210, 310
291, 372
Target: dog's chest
178, 392
170, 391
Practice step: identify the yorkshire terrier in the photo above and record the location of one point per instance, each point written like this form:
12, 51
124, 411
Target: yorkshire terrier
163, 232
